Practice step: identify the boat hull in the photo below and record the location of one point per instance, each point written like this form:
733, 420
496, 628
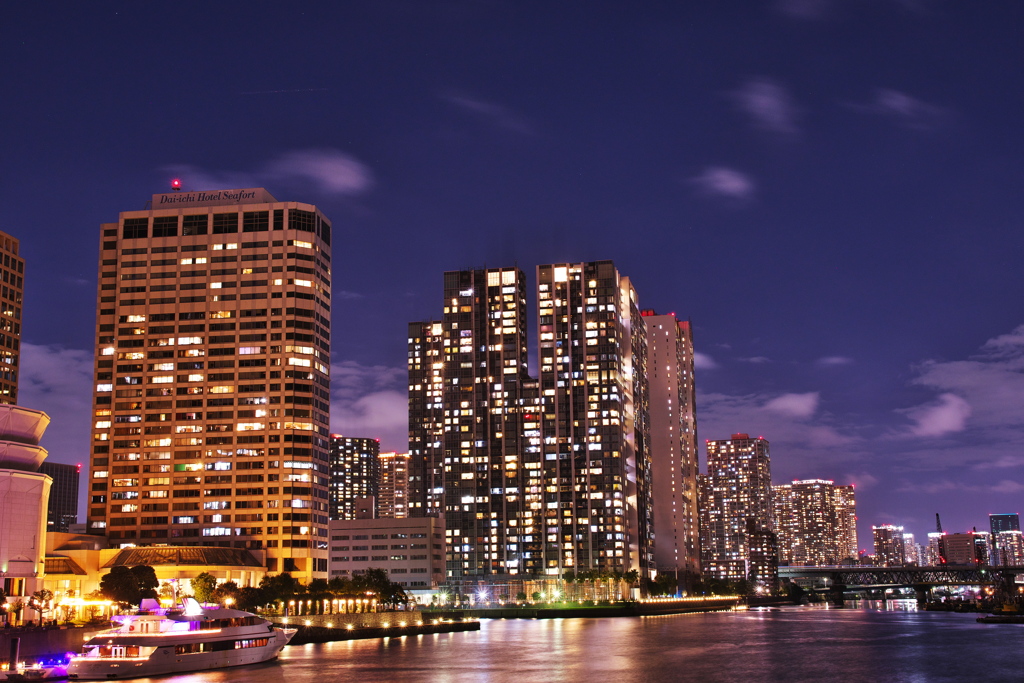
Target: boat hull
166, 661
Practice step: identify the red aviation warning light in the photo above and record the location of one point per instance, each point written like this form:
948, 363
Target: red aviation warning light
176, 184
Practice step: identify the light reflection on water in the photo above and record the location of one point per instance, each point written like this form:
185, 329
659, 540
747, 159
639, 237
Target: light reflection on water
787, 644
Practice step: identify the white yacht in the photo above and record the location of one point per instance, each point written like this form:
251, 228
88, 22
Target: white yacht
156, 641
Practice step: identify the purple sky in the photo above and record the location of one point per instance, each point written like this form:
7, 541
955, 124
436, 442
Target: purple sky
830, 190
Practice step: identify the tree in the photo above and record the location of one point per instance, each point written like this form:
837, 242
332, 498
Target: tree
226, 590
520, 596
250, 599
203, 586
127, 586
40, 602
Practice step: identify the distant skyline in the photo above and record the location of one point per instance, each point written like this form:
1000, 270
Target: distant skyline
829, 190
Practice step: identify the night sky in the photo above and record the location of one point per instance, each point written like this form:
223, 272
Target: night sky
829, 190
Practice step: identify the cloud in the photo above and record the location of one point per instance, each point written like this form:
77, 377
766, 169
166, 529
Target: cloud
798, 406
832, 361
862, 480
702, 361
58, 381
724, 182
328, 171
948, 415
1008, 486
756, 360
493, 113
905, 110
370, 401
768, 105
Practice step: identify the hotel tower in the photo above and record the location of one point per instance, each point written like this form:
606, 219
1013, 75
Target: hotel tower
212, 392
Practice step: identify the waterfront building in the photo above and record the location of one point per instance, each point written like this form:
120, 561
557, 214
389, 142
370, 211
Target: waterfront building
23, 495
597, 502
983, 547
933, 551
998, 524
394, 486
812, 519
212, 386
674, 457
355, 473
12, 288
738, 490
473, 441
411, 550
763, 552
960, 549
62, 509
1011, 548
889, 549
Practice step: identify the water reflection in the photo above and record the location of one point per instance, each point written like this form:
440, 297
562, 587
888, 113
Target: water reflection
880, 641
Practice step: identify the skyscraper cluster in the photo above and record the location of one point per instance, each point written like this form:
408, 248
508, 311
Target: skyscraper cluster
547, 473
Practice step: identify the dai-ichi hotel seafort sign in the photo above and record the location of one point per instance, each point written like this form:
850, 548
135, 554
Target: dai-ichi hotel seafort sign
253, 195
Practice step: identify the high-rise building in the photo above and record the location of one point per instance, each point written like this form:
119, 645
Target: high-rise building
933, 552
355, 473
473, 441
212, 385
846, 521
961, 549
998, 524
597, 503
1010, 548
393, 500
62, 510
674, 458
889, 550
12, 272
738, 489
812, 518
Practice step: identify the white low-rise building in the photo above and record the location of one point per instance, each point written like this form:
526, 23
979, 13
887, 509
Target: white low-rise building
411, 550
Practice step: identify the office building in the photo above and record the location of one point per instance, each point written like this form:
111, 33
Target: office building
595, 430
473, 457
393, 500
674, 465
738, 491
212, 386
12, 273
811, 518
355, 473
410, 550
960, 549
889, 551
62, 510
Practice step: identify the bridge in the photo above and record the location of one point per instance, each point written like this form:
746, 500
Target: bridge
837, 579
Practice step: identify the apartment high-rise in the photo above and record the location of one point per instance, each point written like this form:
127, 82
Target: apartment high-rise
473, 458
846, 521
595, 428
998, 525
673, 443
812, 521
889, 550
738, 489
393, 499
355, 473
12, 288
62, 509
212, 385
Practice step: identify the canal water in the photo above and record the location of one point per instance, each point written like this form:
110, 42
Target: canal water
788, 644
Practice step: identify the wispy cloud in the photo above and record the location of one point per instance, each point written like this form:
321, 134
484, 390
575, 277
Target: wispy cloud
328, 171
720, 181
947, 415
832, 361
58, 381
905, 110
798, 406
755, 360
370, 401
495, 114
768, 105
702, 361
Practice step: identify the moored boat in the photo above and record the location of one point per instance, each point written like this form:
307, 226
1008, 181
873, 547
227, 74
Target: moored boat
155, 641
